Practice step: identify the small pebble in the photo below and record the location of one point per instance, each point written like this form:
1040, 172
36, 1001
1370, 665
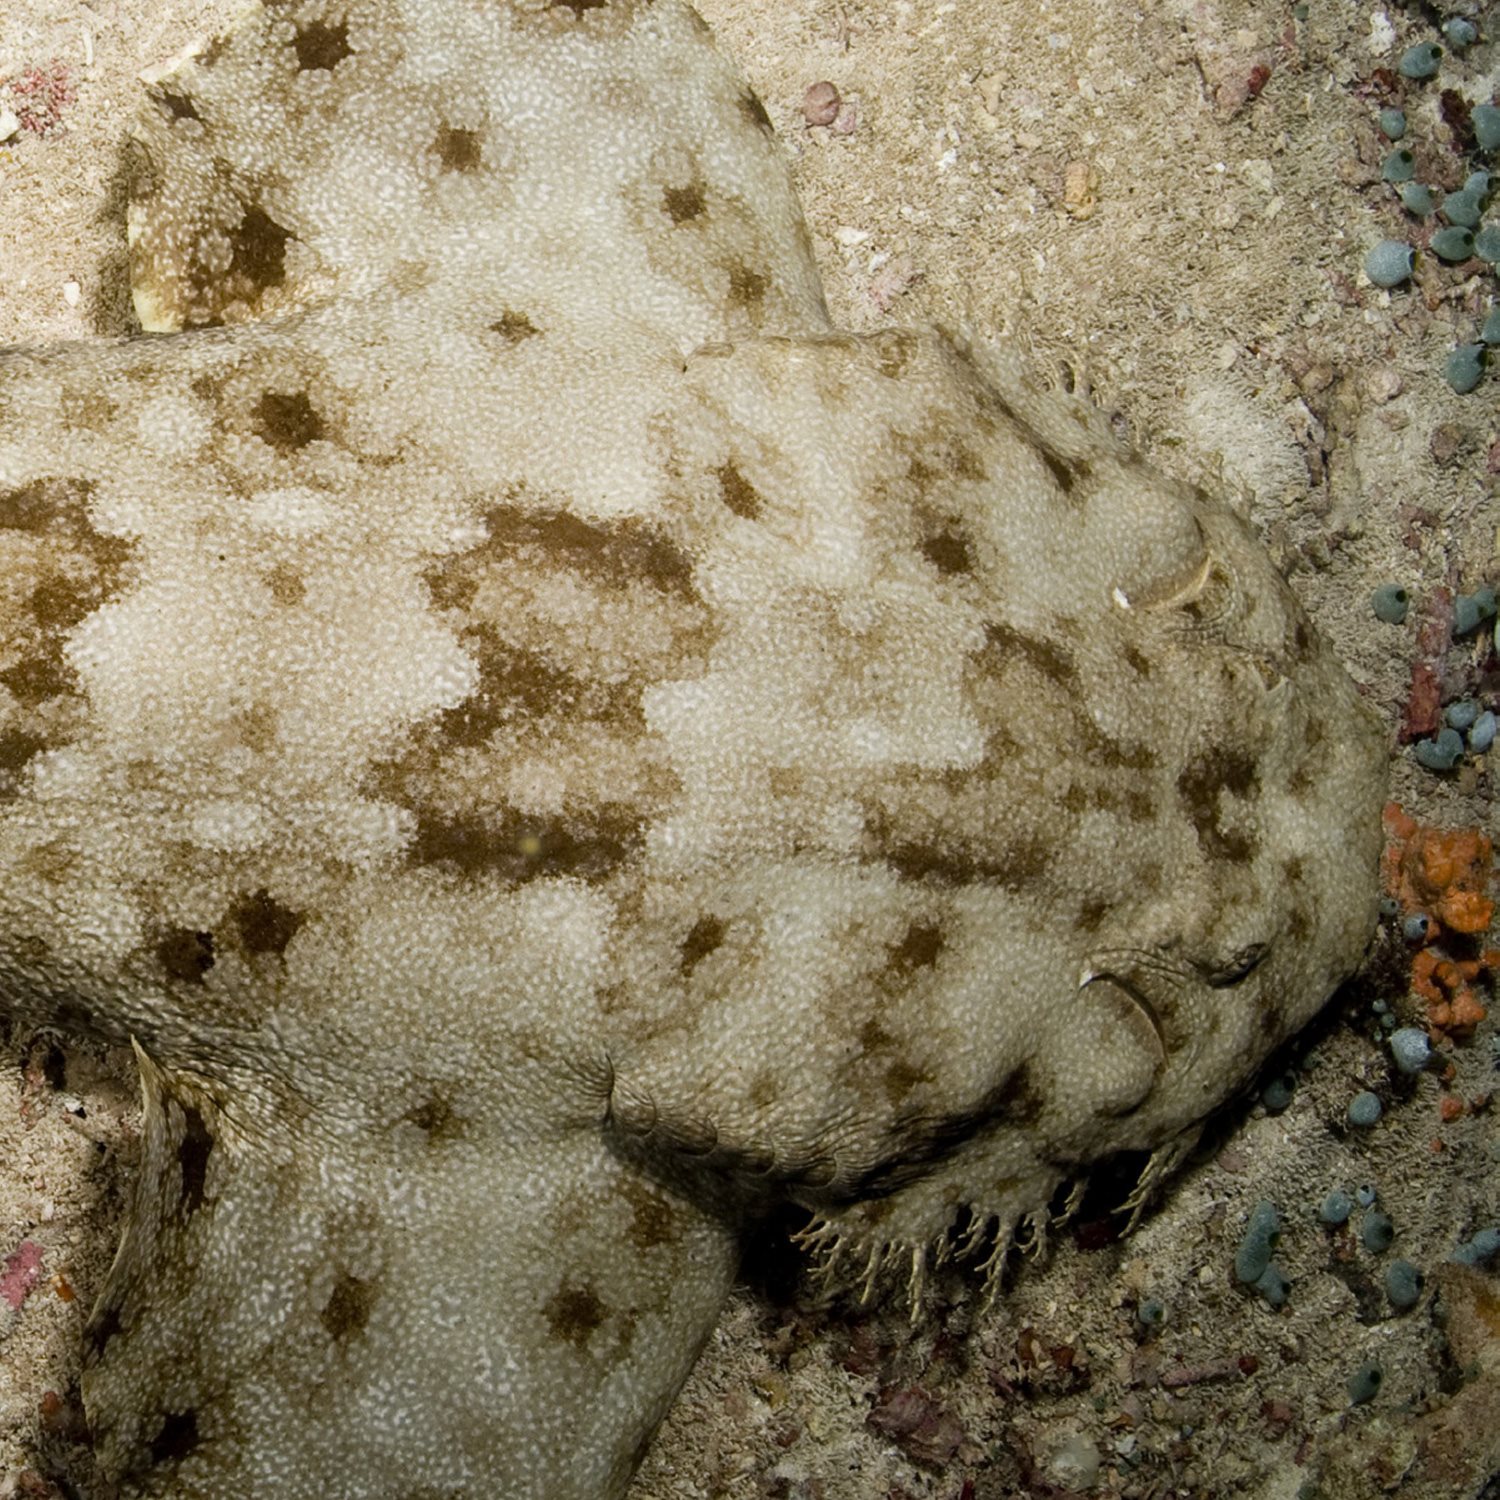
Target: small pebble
1364, 1383
1416, 927
1461, 715
1470, 611
1336, 1208
1463, 208
1365, 1109
1398, 166
1482, 735
1403, 1284
1485, 118
1392, 124
1442, 753
1464, 368
1390, 601
1420, 61
1453, 244
1376, 1231
1417, 199
1487, 243
1460, 33
1490, 333
1410, 1049
1152, 1313
821, 103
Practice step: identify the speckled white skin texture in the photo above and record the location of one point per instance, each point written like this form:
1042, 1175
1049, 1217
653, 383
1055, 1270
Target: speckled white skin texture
545, 744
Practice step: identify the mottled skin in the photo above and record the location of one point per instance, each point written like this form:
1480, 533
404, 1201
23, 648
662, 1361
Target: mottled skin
545, 744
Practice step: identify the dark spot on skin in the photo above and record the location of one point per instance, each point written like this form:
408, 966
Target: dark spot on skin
577, 6
1200, 783
186, 955
175, 106
436, 1119
900, 1078
193, 1151
459, 150
1137, 661
622, 552
1065, 472
258, 250
16, 752
948, 551
60, 603
1053, 661
39, 505
176, 1437
653, 1221
1091, 914
522, 849
348, 1307
286, 585
706, 935
321, 47
747, 288
683, 204
39, 678
738, 493
1011, 869
287, 421
265, 925
755, 112
513, 327
918, 949
102, 1327
574, 1312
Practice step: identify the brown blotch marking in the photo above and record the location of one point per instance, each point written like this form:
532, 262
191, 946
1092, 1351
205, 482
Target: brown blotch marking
932, 864
1065, 472
619, 552
747, 288
1090, 914
1138, 805
919, 948
1137, 660
44, 502
873, 1037
104, 1325
87, 409
1299, 923
286, 585
1200, 783
513, 327
287, 420
347, 1310
436, 1119
265, 925
653, 1221
738, 493
60, 603
256, 727
948, 551
518, 849
257, 251
900, 1078
459, 150
577, 6
706, 934
193, 1151
186, 955
683, 204
39, 678
176, 1437
175, 106
321, 47
1052, 660
575, 1313
1018, 1099
755, 112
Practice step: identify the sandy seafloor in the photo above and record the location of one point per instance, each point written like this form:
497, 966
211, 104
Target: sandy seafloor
1103, 181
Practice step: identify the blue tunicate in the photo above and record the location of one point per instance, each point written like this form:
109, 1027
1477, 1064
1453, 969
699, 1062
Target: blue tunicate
1460, 33
1389, 263
1482, 735
1461, 715
1453, 244
1152, 1313
1416, 927
1477, 183
1392, 123
1411, 1050
1442, 753
1480, 1250
1376, 1231
1403, 1284
1420, 61
1336, 1208
1261, 1236
1464, 368
1487, 243
1470, 611
1391, 600
1485, 118
1417, 199
1364, 1383
1463, 208
1277, 1094
1365, 1194
1365, 1109
1490, 333
1390, 908
1273, 1286
1399, 166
